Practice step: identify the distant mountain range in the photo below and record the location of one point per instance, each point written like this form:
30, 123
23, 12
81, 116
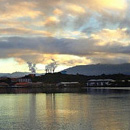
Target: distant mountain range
99, 69
15, 74
94, 69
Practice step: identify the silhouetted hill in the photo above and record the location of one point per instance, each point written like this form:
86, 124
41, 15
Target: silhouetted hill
4, 74
99, 69
15, 74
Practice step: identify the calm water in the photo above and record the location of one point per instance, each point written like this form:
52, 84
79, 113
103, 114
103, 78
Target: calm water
64, 112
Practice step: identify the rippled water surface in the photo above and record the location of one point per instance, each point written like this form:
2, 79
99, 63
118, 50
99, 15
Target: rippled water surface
64, 112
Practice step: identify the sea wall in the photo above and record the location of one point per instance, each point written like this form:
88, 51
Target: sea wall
104, 90
38, 90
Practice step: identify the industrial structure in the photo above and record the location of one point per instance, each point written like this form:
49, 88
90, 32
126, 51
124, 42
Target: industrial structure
50, 68
32, 67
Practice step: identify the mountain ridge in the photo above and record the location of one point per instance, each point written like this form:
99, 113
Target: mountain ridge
15, 74
99, 69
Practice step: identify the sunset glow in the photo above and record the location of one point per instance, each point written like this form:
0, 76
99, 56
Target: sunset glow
71, 32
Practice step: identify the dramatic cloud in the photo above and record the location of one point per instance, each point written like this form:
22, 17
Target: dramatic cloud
108, 4
108, 37
21, 9
57, 12
76, 9
72, 32
23, 48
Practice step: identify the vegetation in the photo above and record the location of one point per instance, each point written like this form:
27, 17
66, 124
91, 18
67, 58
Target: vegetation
53, 78
58, 77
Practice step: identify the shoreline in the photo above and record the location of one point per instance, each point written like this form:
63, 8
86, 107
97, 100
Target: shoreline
18, 90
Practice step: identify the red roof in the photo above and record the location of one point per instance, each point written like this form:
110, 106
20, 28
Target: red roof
3, 84
22, 84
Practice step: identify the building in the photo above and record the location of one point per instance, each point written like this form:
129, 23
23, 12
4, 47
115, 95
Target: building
100, 82
26, 80
22, 79
3, 84
65, 84
22, 84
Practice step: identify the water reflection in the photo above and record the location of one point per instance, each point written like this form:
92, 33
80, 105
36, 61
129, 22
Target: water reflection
64, 111
32, 112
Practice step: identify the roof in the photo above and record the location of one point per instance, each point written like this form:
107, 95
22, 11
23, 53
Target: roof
3, 84
68, 83
101, 80
22, 84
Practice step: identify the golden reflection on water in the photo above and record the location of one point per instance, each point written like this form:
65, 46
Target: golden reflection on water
65, 111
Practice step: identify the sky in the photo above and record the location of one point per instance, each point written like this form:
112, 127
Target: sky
73, 32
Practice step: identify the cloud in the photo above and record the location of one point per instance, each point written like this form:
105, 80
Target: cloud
20, 9
102, 4
58, 12
110, 37
75, 9
62, 15
52, 20
110, 58
35, 47
108, 4
66, 30
71, 35
24, 32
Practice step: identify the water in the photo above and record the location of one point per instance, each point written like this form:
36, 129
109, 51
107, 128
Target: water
64, 112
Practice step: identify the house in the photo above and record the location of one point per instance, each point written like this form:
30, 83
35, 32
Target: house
14, 80
24, 79
22, 84
100, 82
3, 84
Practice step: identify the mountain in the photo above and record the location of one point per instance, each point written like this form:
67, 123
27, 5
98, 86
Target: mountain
4, 74
15, 74
99, 69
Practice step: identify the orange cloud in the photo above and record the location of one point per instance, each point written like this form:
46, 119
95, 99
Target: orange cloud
58, 12
52, 20
22, 9
24, 31
62, 59
106, 4
71, 35
75, 8
114, 4
108, 36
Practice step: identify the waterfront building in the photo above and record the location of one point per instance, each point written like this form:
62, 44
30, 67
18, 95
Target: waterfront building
3, 84
100, 82
22, 84
65, 84
27, 80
